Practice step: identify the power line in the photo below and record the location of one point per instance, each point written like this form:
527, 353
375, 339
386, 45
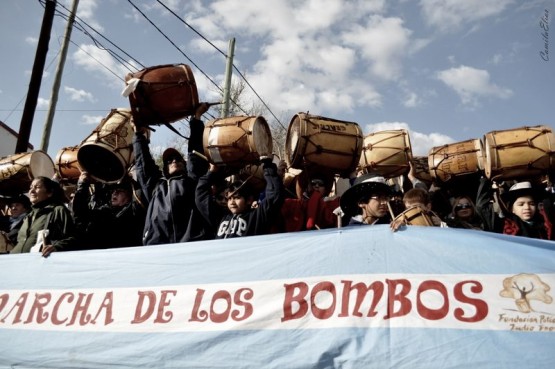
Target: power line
81, 25
225, 55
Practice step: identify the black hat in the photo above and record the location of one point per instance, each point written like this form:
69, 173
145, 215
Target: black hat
521, 189
169, 153
21, 199
364, 185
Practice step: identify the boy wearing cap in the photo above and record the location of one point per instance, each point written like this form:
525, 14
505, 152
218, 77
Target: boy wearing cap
366, 201
240, 218
172, 215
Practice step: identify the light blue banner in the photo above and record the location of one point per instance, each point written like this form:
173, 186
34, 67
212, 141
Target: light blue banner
361, 297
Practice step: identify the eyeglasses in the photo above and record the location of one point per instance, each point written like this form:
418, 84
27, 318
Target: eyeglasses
381, 198
317, 183
462, 206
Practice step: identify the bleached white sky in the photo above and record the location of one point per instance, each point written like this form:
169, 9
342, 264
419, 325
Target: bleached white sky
446, 70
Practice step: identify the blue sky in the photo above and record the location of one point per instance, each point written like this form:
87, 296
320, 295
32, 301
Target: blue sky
447, 70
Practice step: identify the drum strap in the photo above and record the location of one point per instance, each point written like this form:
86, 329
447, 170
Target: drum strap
175, 130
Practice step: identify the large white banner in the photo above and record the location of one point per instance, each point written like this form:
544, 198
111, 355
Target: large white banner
358, 297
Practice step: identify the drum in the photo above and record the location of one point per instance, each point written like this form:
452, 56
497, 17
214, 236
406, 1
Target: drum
416, 216
163, 94
237, 141
421, 169
107, 153
387, 153
18, 171
254, 174
67, 165
328, 144
520, 152
455, 160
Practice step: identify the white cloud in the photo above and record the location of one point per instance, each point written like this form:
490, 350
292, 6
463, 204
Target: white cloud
471, 83
42, 103
31, 40
302, 59
78, 95
93, 59
420, 143
452, 14
383, 42
411, 100
91, 119
86, 11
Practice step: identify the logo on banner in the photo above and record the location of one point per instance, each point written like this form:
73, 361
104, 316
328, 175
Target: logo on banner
523, 289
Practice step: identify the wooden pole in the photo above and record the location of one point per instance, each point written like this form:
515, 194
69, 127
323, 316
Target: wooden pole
36, 77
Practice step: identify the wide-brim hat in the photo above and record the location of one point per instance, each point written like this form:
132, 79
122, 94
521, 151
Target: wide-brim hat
521, 189
20, 199
363, 185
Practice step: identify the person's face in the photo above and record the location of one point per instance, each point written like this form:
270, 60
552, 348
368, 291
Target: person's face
175, 165
37, 192
120, 197
317, 185
463, 209
524, 207
16, 209
421, 205
237, 204
376, 207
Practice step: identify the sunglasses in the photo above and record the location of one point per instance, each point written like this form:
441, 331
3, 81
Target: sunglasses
177, 159
462, 206
317, 182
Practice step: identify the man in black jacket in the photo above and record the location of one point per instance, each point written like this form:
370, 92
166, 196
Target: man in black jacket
172, 215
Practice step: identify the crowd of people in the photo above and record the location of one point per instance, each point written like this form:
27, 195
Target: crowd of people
191, 199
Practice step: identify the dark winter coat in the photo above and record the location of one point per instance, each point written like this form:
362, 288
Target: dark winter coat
250, 223
47, 215
172, 215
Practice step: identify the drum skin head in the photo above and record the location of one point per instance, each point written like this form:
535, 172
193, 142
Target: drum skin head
262, 137
101, 163
41, 165
237, 141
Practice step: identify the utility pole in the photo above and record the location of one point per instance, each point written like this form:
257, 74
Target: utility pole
36, 76
57, 79
228, 73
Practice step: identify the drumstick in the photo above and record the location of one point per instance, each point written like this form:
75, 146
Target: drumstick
390, 210
200, 155
214, 103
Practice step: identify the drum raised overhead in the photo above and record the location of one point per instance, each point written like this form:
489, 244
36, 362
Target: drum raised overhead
162, 94
387, 153
67, 165
519, 152
18, 171
421, 169
107, 153
454, 160
329, 144
237, 141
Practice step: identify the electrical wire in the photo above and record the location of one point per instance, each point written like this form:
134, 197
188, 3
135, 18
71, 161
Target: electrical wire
225, 55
